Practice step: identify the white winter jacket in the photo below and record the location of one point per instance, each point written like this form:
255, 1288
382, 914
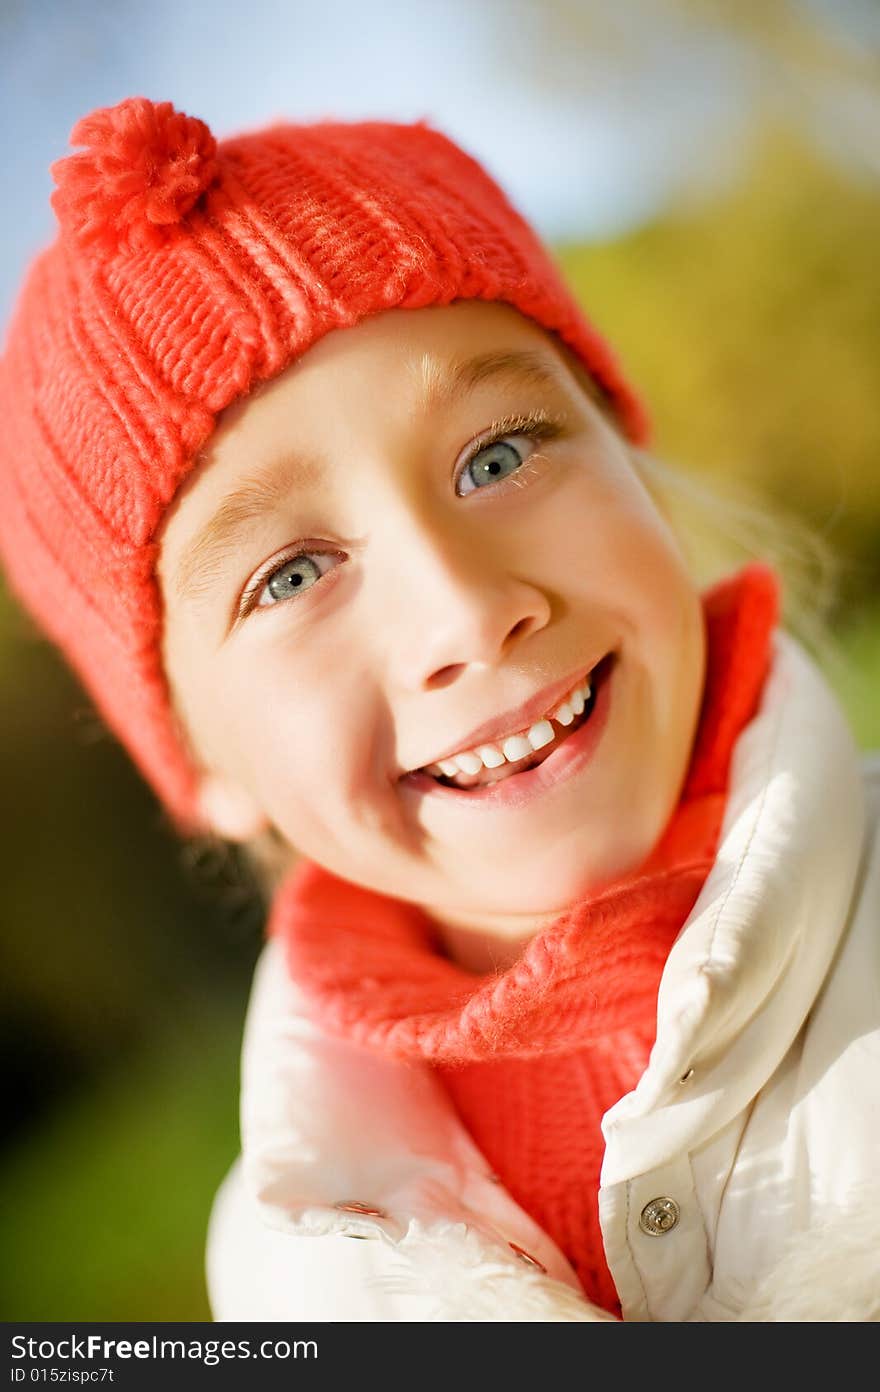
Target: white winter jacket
739, 1175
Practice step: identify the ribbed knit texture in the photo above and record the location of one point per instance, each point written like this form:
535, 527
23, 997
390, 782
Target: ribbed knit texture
534, 1056
187, 271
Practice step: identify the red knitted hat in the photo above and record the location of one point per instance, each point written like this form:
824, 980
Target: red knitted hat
185, 272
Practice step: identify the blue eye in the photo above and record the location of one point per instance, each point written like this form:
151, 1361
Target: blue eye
296, 574
292, 576
493, 461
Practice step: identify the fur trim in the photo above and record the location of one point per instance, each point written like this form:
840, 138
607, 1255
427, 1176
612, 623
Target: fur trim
469, 1278
826, 1275
829, 1274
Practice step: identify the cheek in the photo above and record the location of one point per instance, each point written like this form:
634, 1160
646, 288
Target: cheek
668, 651
624, 568
606, 540
295, 739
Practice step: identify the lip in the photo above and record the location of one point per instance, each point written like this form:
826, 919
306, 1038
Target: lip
519, 718
519, 790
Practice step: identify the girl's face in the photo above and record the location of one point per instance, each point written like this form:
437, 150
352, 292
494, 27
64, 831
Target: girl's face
421, 526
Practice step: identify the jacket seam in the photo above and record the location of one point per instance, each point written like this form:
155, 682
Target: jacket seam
722, 1195
709, 1247
632, 1252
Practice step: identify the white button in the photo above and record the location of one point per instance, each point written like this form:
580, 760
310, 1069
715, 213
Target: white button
659, 1217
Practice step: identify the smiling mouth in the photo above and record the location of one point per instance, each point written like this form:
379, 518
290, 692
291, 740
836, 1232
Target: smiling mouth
465, 781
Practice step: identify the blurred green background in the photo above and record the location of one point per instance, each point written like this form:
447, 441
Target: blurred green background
747, 308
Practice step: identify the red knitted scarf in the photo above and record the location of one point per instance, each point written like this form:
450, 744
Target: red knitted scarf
534, 1056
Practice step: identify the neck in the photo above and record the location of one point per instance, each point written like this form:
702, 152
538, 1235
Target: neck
486, 943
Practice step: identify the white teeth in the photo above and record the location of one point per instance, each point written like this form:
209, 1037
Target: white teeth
574, 705
516, 747
468, 762
473, 761
540, 734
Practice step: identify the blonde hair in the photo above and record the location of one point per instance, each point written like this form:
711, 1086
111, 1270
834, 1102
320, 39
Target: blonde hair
723, 524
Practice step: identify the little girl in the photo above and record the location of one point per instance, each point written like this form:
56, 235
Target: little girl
340, 508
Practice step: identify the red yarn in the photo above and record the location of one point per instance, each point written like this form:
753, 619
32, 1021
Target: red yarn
147, 166
534, 1057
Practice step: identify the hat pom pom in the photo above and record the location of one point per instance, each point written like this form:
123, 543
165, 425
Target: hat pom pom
146, 166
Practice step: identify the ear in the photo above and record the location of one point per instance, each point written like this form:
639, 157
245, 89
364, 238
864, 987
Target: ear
229, 809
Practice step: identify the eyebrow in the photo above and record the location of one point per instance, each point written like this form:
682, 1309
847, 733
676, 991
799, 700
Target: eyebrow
203, 560
439, 384
442, 382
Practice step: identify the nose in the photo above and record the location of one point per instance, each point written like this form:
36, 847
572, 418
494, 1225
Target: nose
459, 607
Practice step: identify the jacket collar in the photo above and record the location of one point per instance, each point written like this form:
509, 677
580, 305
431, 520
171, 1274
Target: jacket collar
752, 956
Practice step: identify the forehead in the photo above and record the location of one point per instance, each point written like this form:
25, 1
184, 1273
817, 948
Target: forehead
402, 365
413, 348
402, 358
